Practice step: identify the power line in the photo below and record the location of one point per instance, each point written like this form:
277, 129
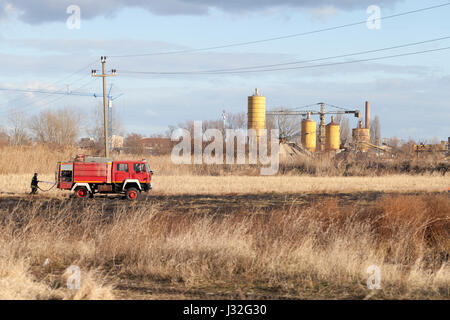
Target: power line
301, 110
56, 82
282, 69
304, 107
346, 62
27, 106
62, 97
322, 59
47, 96
74, 73
333, 57
337, 107
280, 37
70, 93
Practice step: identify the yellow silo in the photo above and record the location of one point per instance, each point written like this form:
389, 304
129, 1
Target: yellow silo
256, 113
361, 135
332, 136
309, 134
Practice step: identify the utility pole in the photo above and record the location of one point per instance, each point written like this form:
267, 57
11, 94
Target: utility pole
105, 102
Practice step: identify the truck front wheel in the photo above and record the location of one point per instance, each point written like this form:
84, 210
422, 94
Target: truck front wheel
81, 192
132, 193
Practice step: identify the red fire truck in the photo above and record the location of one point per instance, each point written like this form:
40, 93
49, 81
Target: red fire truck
87, 176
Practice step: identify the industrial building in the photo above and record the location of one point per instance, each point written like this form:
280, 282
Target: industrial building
322, 138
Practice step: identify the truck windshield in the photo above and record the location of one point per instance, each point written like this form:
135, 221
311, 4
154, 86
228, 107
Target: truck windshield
148, 167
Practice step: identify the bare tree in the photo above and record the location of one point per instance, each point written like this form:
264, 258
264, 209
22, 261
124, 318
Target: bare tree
393, 142
212, 124
17, 132
288, 125
206, 124
96, 127
59, 127
375, 131
234, 121
345, 131
270, 123
237, 120
187, 125
170, 130
133, 143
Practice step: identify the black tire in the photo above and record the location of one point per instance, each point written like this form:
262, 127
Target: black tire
81, 193
132, 194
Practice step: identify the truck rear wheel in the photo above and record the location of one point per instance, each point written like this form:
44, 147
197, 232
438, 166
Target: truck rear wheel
132, 193
81, 193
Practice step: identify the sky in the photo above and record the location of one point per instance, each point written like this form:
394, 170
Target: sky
39, 49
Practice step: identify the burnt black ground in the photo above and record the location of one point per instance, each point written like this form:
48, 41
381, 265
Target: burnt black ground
227, 203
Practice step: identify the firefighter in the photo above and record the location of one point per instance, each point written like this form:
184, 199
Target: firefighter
34, 184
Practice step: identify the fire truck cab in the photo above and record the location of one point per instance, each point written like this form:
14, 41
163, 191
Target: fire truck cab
87, 176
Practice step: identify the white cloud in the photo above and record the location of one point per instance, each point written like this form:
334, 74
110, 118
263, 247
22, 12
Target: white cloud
324, 12
7, 11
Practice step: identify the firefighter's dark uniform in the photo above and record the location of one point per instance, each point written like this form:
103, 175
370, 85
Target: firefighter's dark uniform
34, 184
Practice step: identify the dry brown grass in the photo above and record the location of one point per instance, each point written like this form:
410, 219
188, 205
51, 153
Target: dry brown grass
193, 184
18, 279
43, 159
321, 251
317, 252
296, 184
29, 159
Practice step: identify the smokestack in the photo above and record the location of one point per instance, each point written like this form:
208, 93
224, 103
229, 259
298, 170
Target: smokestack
367, 115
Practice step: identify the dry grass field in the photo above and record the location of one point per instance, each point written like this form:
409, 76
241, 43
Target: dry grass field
192, 184
225, 233
43, 159
317, 251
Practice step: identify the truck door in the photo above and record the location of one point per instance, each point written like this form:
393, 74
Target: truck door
139, 172
65, 175
121, 172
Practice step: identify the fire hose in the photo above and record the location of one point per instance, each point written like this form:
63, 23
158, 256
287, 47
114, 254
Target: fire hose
53, 185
